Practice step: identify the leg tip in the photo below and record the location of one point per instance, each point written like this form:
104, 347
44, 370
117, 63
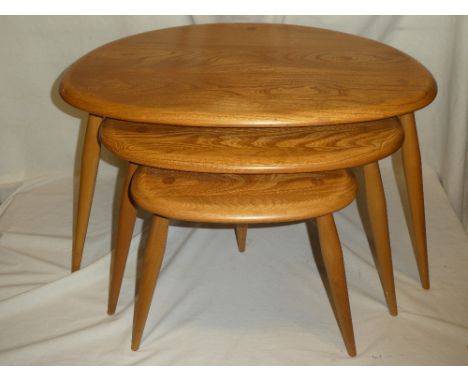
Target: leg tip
135, 345
393, 309
352, 352
75, 268
350, 346
424, 277
240, 246
111, 306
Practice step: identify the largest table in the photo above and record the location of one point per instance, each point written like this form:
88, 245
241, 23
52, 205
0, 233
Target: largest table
245, 75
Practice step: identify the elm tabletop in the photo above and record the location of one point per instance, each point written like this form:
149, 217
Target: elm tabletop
249, 75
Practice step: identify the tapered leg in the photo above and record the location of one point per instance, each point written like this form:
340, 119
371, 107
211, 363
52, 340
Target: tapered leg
241, 235
150, 271
127, 217
89, 166
413, 175
333, 261
377, 209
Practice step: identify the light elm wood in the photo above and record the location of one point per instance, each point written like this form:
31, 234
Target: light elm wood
89, 166
241, 235
252, 76
152, 261
334, 266
377, 209
127, 217
413, 174
126, 223
149, 184
252, 150
264, 150
247, 75
241, 199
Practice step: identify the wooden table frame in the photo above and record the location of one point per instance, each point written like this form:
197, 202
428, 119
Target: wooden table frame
297, 197
413, 177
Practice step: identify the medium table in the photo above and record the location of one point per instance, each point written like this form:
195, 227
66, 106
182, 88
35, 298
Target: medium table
249, 75
230, 151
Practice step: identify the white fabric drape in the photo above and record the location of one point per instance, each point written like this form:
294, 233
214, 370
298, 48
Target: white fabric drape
214, 306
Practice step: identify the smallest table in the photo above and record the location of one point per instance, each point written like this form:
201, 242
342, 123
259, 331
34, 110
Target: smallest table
235, 198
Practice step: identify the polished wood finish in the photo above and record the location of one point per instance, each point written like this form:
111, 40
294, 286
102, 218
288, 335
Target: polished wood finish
247, 75
280, 150
152, 261
89, 166
127, 217
413, 174
377, 209
252, 150
227, 88
241, 235
233, 198
334, 266
152, 188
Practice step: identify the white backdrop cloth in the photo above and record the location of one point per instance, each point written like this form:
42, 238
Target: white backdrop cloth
214, 306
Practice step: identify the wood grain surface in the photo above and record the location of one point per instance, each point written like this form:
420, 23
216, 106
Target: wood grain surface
252, 150
127, 217
234, 198
88, 173
241, 236
247, 75
377, 210
152, 261
334, 266
411, 156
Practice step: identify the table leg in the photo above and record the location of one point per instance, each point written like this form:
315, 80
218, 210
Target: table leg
377, 209
241, 235
127, 217
414, 183
89, 166
334, 266
152, 261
